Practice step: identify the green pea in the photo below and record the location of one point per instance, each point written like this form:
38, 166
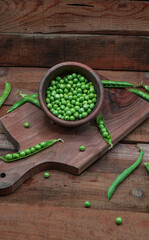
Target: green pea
94, 100
46, 175
79, 90
86, 97
53, 82
51, 98
81, 99
68, 113
22, 154
15, 155
84, 114
61, 81
118, 220
70, 77
57, 96
32, 149
105, 134
49, 105
9, 156
76, 114
89, 110
58, 78
72, 118
74, 75
86, 107
70, 97
92, 105
73, 102
82, 148
55, 113
81, 79
37, 147
47, 100
66, 90
80, 116
26, 125
67, 118
72, 110
28, 151
75, 80
78, 85
81, 110
87, 204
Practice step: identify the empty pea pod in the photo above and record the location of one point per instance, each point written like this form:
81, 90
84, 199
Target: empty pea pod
31, 99
116, 84
21, 102
104, 131
123, 175
5, 93
140, 93
29, 151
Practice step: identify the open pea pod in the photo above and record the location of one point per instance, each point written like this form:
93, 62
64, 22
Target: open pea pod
104, 131
29, 151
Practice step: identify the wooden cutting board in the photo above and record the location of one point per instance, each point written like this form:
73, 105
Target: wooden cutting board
121, 110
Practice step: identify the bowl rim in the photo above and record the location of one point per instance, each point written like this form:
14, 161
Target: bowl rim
65, 123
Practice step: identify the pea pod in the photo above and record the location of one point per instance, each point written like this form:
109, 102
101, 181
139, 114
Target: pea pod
116, 84
5, 93
140, 93
124, 175
29, 151
31, 99
104, 131
146, 87
21, 102
147, 166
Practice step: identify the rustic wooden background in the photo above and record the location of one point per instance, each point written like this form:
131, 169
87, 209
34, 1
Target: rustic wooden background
112, 37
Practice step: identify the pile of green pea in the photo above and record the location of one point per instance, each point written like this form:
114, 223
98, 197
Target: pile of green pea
71, 98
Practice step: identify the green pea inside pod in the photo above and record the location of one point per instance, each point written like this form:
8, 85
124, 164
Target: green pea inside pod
37, 147
22, 154
15, 155
43, 144
28, 151
9, 156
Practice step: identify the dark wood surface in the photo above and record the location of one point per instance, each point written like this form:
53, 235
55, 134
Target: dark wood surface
112, 38
120, 112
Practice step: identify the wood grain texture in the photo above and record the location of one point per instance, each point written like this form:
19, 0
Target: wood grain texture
112, 17
120, 112
98, 52
27, 81
66, 190
77, 224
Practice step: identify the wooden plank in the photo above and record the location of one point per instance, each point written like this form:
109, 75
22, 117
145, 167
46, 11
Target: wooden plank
27, 81
66, 190
99, 52
41, 222
121, 118
112, 17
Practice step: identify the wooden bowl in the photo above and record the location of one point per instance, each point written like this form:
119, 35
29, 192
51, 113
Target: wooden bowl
63, 69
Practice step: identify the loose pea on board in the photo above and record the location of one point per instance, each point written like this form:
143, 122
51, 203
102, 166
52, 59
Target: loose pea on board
82, 148
29, 151
26, 125
64, 94
104, 131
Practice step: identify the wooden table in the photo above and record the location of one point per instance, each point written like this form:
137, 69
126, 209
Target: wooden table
112, 38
